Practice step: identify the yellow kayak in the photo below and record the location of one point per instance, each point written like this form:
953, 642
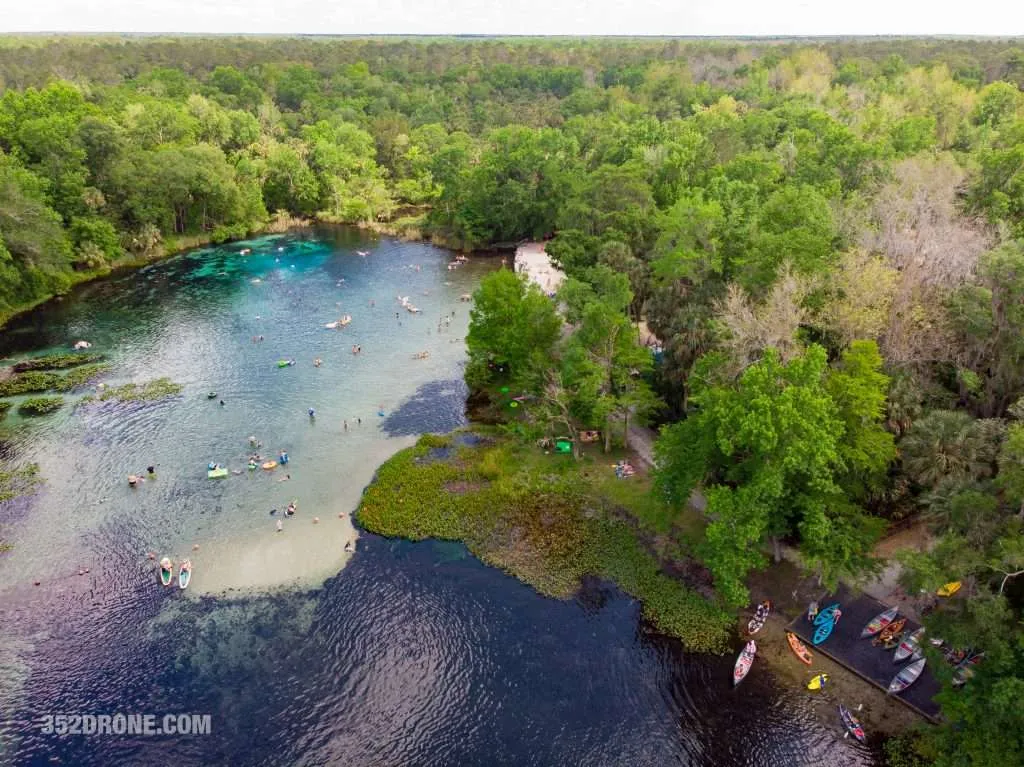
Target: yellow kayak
817, 682
949, 589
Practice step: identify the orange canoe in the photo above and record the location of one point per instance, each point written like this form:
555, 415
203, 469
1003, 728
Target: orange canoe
799, 648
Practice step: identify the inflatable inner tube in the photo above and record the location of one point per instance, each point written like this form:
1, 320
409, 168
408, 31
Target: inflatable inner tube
268, 465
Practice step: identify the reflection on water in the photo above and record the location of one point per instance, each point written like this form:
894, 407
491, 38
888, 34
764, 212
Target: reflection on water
413, 654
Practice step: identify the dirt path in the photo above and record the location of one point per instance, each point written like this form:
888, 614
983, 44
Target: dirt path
641, 440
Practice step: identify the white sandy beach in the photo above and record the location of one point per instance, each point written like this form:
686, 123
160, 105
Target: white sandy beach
532, 259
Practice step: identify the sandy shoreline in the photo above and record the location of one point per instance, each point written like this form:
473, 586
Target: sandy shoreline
533, 261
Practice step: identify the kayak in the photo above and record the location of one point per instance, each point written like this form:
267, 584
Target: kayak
879, 622
166, 571
216, 473
812, 611
910, 647
890, 632
851, 723
744, 662
907, 676
184, 574
817, 682
760, 616
964, 671
799, 648
826, 614
823, 632
949, 589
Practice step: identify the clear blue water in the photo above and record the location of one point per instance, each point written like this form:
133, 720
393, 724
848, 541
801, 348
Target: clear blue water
409, 654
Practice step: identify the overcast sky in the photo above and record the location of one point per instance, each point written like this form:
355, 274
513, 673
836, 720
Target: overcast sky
517, 17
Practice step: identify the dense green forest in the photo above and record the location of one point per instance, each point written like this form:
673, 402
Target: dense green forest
827, 239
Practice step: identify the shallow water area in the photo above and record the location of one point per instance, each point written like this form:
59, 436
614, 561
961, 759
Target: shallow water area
198, 319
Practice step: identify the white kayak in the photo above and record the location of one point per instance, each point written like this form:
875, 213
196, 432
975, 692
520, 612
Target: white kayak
911, 646
907, 676
744, 662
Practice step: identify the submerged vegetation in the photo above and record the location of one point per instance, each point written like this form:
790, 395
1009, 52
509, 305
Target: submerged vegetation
40, 405
137, 392
543, 518
15, 483
56, 362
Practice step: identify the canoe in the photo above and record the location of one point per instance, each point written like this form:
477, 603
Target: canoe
851, 723
760, 616
744, 662
823, 632
949, 589
185, 574
216, 473
907, 676
268, 465
812, 611
965, 671
879, 622
799, 648
910, 646
826, 614
890, 631
166, 571
817, 682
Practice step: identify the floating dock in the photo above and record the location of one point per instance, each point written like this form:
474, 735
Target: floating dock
873, 664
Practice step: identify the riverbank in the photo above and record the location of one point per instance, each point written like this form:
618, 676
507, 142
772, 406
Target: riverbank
544, 518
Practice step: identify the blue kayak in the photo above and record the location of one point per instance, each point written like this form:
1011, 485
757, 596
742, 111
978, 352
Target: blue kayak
824, 631
826, 614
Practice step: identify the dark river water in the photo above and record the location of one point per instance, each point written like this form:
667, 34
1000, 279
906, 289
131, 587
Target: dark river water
406, 654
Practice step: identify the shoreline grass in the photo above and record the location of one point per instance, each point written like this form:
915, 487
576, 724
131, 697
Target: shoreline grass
544, 519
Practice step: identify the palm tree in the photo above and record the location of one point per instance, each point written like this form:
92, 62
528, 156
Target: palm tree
945, 444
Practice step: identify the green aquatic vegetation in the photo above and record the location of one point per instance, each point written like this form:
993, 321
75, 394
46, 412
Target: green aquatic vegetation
36, 381
40, 405
4, 407
56, 362
27, 383
133, 392
543, 519
80, 376
15, 483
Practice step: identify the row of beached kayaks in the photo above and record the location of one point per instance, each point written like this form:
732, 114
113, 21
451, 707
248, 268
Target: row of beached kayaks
167, 572
746, 656
826, 617
887, 630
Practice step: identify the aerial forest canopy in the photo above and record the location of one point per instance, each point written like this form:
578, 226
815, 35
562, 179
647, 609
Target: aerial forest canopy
826, 239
